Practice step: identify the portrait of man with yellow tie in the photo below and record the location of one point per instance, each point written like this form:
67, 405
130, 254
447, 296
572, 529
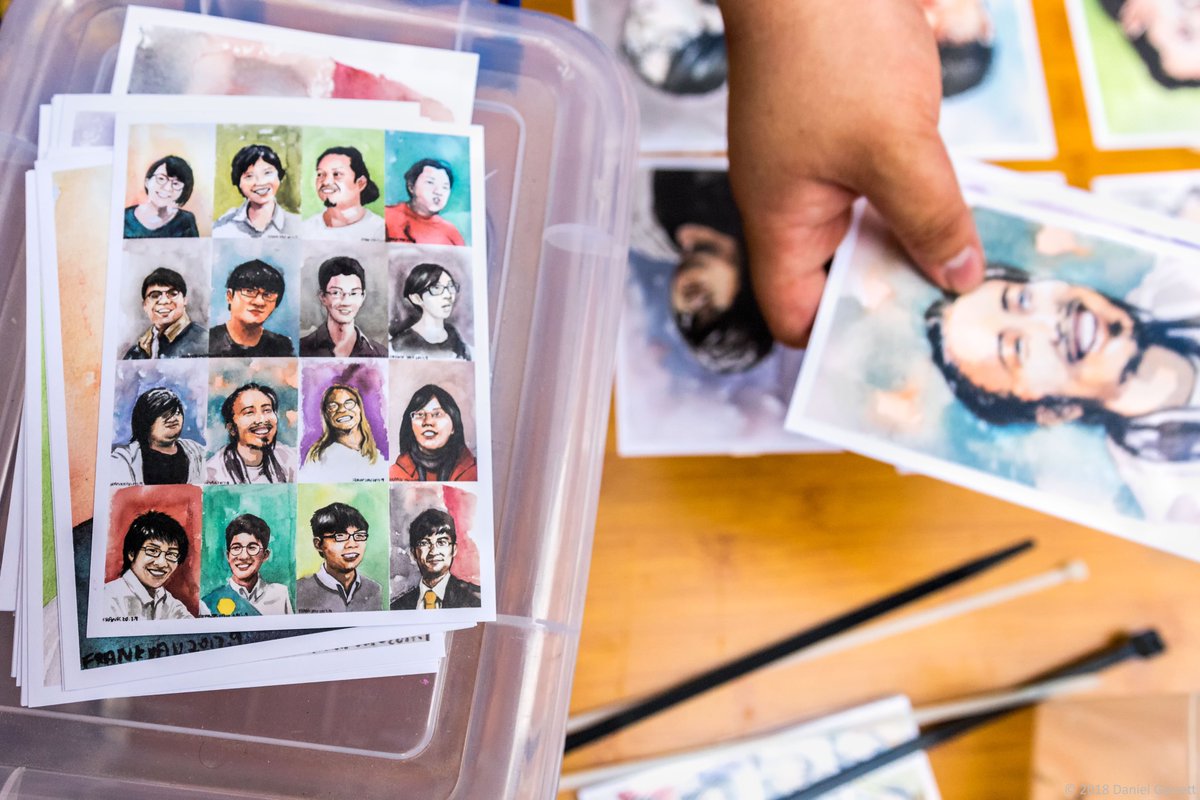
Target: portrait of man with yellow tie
433, 543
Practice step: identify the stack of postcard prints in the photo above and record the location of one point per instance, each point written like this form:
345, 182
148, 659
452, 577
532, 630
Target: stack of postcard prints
697, 369
256, 439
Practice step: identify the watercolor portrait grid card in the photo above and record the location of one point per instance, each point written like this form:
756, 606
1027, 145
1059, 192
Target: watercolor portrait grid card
71, 666
156, 328
1069, 381
295, 386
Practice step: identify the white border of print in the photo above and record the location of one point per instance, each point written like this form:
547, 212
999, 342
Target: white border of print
31, 667
276, 111
1075, 209
1119, 188
448, 76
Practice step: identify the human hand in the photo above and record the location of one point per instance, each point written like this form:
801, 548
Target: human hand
829, 101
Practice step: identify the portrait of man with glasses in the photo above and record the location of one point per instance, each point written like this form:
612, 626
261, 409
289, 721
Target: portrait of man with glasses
154, 547
340, 537
433, 543
171, 334
430, 293
253, 291
246, 594
341, 290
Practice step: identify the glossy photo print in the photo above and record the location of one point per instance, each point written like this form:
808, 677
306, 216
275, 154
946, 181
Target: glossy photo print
1140, 65
176, 53
102, 666
1176, 194
1068, 381
296, 378
697, 369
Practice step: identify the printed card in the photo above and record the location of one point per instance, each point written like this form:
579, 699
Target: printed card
995, 105
71, 186
674, 53
372, 370
1069, 381
1140, 65
176, 53
697, 369
785, 762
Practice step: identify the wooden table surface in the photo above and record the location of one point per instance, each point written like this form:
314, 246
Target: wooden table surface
698, 560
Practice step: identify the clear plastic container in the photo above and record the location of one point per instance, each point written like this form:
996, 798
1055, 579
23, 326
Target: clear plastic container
560, 144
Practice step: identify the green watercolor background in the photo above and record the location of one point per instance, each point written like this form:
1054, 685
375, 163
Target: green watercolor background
1134, 103
286, 144
316, 140
371, 500
276, 505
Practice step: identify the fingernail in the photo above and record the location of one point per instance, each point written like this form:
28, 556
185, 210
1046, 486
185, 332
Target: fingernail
964, 271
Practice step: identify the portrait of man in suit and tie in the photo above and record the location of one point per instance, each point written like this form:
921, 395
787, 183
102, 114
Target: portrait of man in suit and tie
433, 543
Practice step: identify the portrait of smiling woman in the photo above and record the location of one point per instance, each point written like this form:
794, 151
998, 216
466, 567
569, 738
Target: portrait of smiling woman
346, 448
433, 446
168, 185
257, 171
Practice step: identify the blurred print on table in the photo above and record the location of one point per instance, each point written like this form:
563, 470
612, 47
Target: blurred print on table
698, 371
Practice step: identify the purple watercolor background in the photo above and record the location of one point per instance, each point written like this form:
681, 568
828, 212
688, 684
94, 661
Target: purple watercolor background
368, 378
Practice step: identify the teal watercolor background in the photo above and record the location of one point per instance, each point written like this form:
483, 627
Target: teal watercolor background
275, 504
876, 375
405, 148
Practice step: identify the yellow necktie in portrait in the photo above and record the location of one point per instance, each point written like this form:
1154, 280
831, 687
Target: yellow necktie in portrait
431, 600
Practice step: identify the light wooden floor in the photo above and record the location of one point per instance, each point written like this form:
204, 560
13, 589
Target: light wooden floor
697, 560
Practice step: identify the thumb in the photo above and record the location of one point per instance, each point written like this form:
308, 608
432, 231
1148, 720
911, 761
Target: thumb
913, 186
788, 253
